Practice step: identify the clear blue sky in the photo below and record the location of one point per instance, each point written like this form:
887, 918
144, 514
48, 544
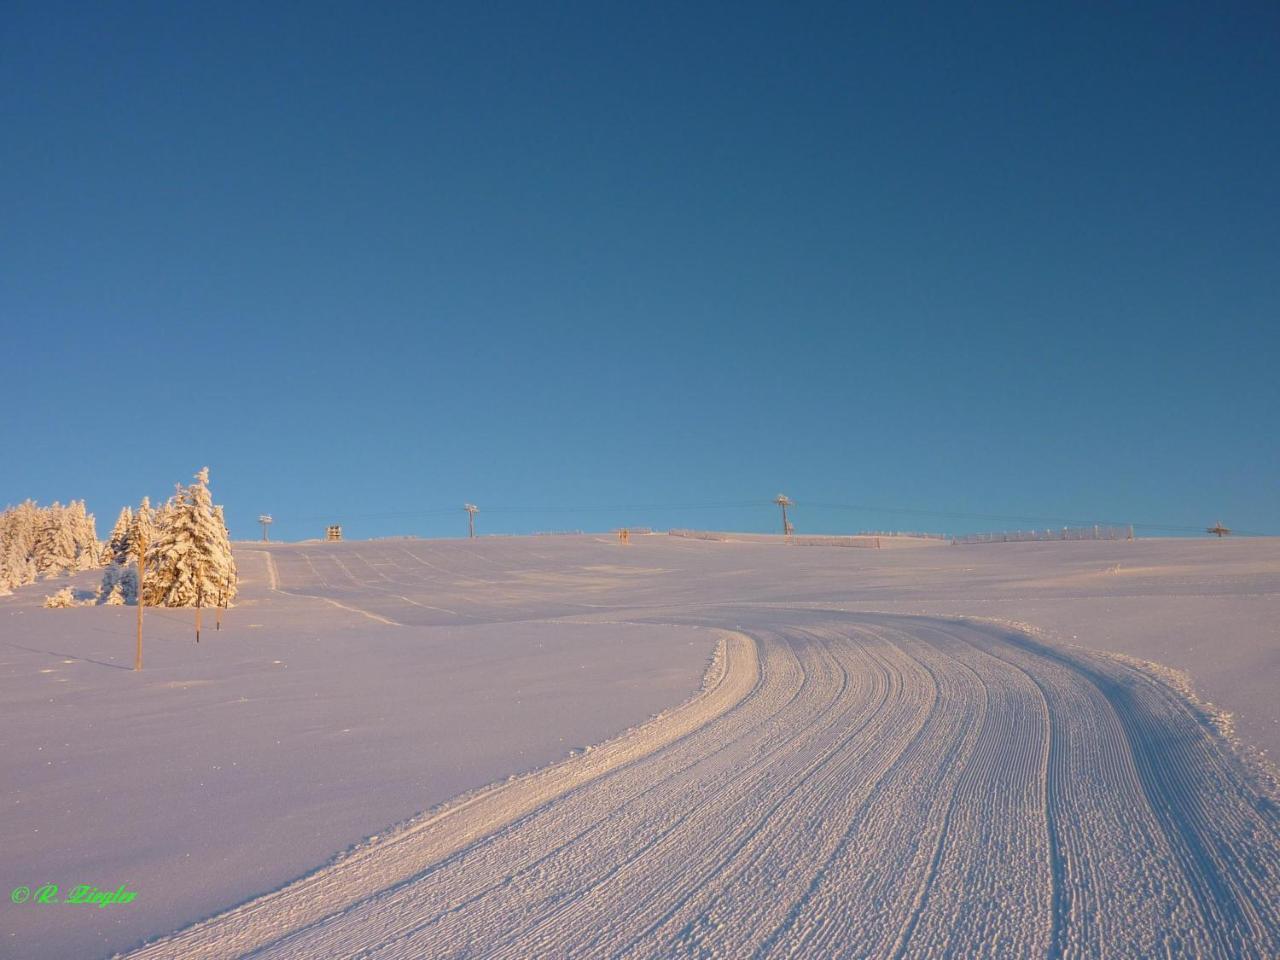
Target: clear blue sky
370, 259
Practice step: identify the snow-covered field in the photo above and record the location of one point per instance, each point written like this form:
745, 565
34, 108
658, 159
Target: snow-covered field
877, 762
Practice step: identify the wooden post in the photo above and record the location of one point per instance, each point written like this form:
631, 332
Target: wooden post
198, 608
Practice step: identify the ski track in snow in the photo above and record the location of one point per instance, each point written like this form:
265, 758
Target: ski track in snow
846, 785
376, 617
273, 575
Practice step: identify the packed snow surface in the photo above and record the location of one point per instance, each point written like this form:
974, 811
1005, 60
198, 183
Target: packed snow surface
957, 751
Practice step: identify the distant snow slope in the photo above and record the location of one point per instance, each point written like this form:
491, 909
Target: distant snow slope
863, 775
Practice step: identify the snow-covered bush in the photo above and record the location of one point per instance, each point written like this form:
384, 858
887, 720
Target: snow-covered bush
63, 598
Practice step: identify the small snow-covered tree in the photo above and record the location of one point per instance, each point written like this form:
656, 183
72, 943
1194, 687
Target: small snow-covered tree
119, 585
121, 589
118, 548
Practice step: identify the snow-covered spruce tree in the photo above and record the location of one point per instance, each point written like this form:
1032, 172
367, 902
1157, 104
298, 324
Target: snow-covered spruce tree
55, 547
142, 527
186, 552
161, 517
117, 546
19, 530
45, 542
119, 580
10, 550
44, 549
8, 578
85, 535
228, 580
160, 567
142, 533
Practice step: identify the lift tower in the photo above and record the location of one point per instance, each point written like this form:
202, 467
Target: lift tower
783, 501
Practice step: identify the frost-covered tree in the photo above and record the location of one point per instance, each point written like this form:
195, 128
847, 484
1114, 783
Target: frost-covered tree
19, 530
119, 585
190, 553
118, 554
142, 527
158, 590
118, 547
8, 578
85, 536
45, 542
111, 590
142, 534
120, 579
56, 539
55, 548
161, 519
17, 534
227, 578
122, 588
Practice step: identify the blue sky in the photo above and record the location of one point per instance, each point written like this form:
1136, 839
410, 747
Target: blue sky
591, 264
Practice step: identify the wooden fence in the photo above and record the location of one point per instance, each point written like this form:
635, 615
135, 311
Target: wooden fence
1095, 532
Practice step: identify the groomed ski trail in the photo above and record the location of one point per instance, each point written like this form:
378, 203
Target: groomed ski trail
846, 785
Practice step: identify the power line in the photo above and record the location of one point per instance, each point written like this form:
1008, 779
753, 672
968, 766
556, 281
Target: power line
754, 504
450, 511
637, 506
1012, 518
